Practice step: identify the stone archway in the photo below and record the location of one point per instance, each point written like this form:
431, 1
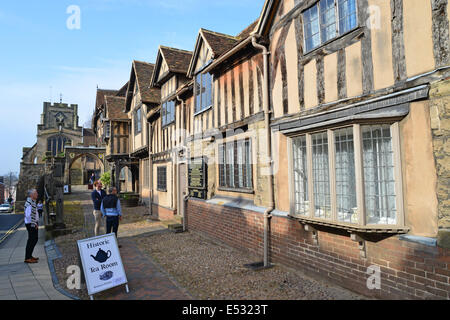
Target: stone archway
133, 167
72, 154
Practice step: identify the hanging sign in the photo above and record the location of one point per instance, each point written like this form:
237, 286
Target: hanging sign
102, 264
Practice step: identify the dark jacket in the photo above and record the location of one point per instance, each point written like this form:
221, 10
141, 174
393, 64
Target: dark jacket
97, 198
110, 201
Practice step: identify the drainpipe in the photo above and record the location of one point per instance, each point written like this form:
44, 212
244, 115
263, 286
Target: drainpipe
150, 164
267, 212
183, 141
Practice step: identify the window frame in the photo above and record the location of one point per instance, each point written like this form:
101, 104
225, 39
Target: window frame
223, 166
55, 142
164, 105
197, 95
337, 22
160, 185
361, 223
138, 120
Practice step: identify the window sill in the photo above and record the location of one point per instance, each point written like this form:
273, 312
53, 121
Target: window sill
202, 111
167, 124
237, 190
391, 229
354, 31
161, 190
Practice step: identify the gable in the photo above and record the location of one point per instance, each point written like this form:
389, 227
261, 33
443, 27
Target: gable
204, 56
163, 70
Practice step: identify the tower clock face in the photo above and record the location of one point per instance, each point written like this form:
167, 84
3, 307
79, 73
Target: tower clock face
59, 117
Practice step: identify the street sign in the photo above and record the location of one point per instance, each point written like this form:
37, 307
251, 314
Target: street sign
102, 264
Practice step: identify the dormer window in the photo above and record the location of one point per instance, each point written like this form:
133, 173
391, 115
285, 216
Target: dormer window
203, 92
328, 19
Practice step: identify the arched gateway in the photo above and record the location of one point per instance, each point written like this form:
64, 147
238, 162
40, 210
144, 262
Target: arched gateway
72, 154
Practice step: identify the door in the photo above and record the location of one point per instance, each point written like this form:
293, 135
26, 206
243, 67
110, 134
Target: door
182, 185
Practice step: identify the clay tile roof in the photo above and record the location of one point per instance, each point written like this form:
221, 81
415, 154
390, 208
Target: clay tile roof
122, 91
177, 60
144, 72
247, 31
114, 108
219, 42
101, 93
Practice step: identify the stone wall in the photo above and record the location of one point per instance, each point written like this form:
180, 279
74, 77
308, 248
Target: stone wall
28, 179
440, 125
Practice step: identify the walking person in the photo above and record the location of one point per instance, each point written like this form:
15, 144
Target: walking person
97, 197
111, 209
40, 209
32, 225
92, 179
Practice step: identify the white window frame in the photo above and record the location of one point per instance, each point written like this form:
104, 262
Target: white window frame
359, 177
164, 106
197, 95
338, 32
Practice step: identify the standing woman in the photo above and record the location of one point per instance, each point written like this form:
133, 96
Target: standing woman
32, 225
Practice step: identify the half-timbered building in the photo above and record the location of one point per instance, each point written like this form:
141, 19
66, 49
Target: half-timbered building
315, 138
140, 98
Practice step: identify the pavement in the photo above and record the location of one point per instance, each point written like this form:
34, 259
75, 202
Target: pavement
21, 281
146, 280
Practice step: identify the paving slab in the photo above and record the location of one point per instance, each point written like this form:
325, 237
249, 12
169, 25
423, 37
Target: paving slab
21, 281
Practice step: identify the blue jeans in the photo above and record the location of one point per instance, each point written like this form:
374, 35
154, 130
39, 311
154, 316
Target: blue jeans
112, 223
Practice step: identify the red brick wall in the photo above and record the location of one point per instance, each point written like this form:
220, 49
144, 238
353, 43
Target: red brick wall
162, 213
408, 270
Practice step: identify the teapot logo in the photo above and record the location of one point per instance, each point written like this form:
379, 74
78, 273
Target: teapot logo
106, 276
102, 256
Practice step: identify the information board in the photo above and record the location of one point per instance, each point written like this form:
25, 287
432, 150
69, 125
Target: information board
102, 263
197, 178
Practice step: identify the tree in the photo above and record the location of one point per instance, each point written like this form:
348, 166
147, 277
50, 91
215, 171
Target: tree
10, 180
106, 179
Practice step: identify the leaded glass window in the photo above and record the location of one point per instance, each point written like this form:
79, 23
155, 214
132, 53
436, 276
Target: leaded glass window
321, 175
345, 175
328, 19
235, 165
301, 176
379, 182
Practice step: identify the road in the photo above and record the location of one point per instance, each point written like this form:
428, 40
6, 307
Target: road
7, 223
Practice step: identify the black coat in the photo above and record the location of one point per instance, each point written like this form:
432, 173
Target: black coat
97, 198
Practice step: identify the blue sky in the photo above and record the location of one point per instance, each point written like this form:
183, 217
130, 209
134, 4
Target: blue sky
41, 58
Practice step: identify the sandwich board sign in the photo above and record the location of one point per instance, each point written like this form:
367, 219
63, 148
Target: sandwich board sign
102, 264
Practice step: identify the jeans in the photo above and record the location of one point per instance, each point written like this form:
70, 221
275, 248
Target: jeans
112, 223
32, 241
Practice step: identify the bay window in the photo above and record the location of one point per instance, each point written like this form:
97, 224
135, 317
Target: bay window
328, 19
379, 182
347, 175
